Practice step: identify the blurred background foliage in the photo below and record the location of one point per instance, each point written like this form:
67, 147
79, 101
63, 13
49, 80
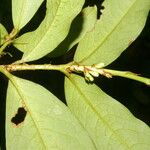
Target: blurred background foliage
136, 58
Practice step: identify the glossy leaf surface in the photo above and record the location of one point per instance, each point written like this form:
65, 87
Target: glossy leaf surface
23, 11
110, 125
52, 30
47, 123
3, 33
119, 25
82, 24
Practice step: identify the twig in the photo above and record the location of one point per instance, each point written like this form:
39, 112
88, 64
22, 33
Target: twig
89, 71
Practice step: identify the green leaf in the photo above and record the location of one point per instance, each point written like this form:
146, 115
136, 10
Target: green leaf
48, 123
82, 24
3, 33
109, 124
52, 30
121, 22
23, 11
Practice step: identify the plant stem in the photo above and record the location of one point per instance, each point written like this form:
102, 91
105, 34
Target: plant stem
89, 71
18, 67
5, 72
8, 39
129, 75
5, 45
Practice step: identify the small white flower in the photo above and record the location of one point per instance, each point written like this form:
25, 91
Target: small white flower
94, 73
88, 76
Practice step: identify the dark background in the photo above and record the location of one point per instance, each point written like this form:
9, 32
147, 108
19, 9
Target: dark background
136, 58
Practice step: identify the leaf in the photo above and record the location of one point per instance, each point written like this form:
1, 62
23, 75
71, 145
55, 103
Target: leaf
82, 24
121, 22
47, 123
23, 11
52, 30
109, 124
3, 33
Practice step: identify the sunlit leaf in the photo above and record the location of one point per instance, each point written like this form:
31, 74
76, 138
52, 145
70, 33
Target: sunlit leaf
23, 11
3, 33
52, 30
37, 120
82, 24
110, 125
121, 22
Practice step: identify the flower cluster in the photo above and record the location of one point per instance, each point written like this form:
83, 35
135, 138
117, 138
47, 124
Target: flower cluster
90, 71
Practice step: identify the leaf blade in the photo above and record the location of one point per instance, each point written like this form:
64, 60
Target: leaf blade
109, 124
48, 123
52, 30
3, 33
23, 11
121, 22
82, 24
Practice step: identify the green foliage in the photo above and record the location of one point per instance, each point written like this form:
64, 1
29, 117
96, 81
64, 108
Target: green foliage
109, 124
49, 124
23, 11
117, 28
3, 33
52, 30
82, 24
91, 119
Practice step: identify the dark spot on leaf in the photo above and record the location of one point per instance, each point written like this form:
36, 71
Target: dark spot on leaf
20, 116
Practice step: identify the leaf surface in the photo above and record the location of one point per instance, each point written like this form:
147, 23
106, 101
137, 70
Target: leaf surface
23, 11
119, 25
110, 125
3, 33
52, 30
82, 24
47, 124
